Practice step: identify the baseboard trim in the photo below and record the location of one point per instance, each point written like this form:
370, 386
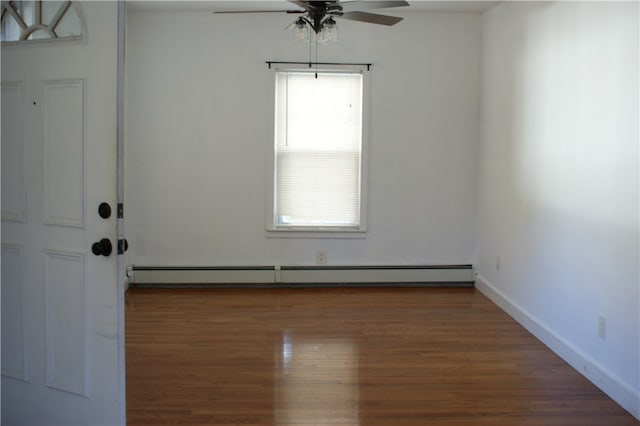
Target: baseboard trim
610, 384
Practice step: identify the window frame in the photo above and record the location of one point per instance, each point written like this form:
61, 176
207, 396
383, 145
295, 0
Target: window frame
273, 229
38, 26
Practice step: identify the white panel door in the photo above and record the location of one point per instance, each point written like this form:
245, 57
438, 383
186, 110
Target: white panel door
60, 339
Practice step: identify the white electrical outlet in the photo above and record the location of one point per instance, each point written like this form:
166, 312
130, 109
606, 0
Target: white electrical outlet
602, 327
321, 257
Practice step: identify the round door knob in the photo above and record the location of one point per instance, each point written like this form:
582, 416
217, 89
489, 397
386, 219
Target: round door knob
102, 247
104, 210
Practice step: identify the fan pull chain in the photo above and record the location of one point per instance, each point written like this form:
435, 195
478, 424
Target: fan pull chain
316, 55
310, 52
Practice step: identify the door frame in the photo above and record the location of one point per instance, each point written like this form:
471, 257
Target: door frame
121, 258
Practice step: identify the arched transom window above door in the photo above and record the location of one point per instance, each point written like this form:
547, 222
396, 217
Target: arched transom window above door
39, 20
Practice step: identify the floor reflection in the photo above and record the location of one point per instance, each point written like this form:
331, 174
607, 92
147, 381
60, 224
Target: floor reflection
316, 381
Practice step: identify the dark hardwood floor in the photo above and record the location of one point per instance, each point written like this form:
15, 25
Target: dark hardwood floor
408, 356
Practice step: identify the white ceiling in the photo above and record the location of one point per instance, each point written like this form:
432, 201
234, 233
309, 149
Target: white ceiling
209, 5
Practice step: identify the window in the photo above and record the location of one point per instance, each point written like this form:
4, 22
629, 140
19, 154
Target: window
318, 151
39, 20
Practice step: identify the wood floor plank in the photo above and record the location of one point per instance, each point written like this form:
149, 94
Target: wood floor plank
380, 356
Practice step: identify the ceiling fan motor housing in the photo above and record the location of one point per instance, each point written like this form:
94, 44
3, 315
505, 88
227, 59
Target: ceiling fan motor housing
318, 11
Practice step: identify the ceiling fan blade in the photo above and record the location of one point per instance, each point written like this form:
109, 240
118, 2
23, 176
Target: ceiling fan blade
257, 11
303, 4
357, 5
372, 18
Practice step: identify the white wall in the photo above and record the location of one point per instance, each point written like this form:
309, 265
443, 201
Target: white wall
197, 138
558, 181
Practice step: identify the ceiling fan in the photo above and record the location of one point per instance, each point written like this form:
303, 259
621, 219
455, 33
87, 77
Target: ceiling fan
318, 15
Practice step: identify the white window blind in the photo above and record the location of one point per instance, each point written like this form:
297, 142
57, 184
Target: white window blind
318, 149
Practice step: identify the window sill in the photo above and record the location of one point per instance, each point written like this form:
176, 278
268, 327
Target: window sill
316, 233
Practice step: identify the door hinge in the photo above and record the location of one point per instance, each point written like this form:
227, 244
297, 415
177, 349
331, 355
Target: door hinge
120, 210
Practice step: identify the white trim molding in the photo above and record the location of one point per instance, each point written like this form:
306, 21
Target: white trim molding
609, 383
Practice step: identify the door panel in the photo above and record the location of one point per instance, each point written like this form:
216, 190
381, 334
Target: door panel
14, 350
13, 191
65, 321
59, 300
64, 148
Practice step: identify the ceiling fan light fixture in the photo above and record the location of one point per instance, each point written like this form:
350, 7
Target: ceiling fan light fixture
329, 31
301, 30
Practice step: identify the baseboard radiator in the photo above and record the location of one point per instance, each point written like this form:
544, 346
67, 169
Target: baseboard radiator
302, 276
